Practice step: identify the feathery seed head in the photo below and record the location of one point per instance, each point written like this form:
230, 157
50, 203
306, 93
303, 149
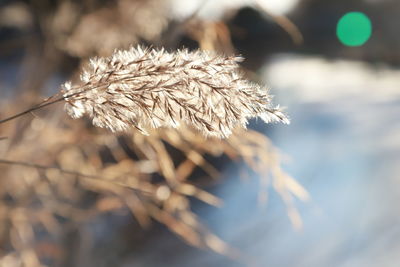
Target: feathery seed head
149, 88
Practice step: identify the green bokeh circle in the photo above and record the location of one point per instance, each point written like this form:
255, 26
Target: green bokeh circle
354, 29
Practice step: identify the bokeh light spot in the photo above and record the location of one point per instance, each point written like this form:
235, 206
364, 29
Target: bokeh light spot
354, 29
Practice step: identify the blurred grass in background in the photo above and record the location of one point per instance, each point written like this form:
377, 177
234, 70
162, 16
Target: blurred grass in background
342, 143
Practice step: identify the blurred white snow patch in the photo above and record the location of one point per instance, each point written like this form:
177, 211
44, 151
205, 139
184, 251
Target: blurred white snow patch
278, 7
316, 79
207, 9
217, 9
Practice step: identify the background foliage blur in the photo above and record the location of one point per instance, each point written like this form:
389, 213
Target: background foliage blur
73, 195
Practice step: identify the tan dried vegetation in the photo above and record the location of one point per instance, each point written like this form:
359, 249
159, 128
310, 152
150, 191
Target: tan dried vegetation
58, 174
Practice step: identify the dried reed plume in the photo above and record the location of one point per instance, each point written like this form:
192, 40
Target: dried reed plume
149, 88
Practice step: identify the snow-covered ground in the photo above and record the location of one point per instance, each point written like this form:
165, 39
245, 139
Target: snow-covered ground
344, 145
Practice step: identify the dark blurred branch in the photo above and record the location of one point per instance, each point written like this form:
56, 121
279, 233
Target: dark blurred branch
285, 23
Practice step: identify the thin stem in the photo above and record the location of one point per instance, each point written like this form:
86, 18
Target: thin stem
46, 102
86, 176
39, 106
37, 166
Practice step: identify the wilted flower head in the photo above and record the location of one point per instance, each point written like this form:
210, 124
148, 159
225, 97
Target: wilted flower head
149, 88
